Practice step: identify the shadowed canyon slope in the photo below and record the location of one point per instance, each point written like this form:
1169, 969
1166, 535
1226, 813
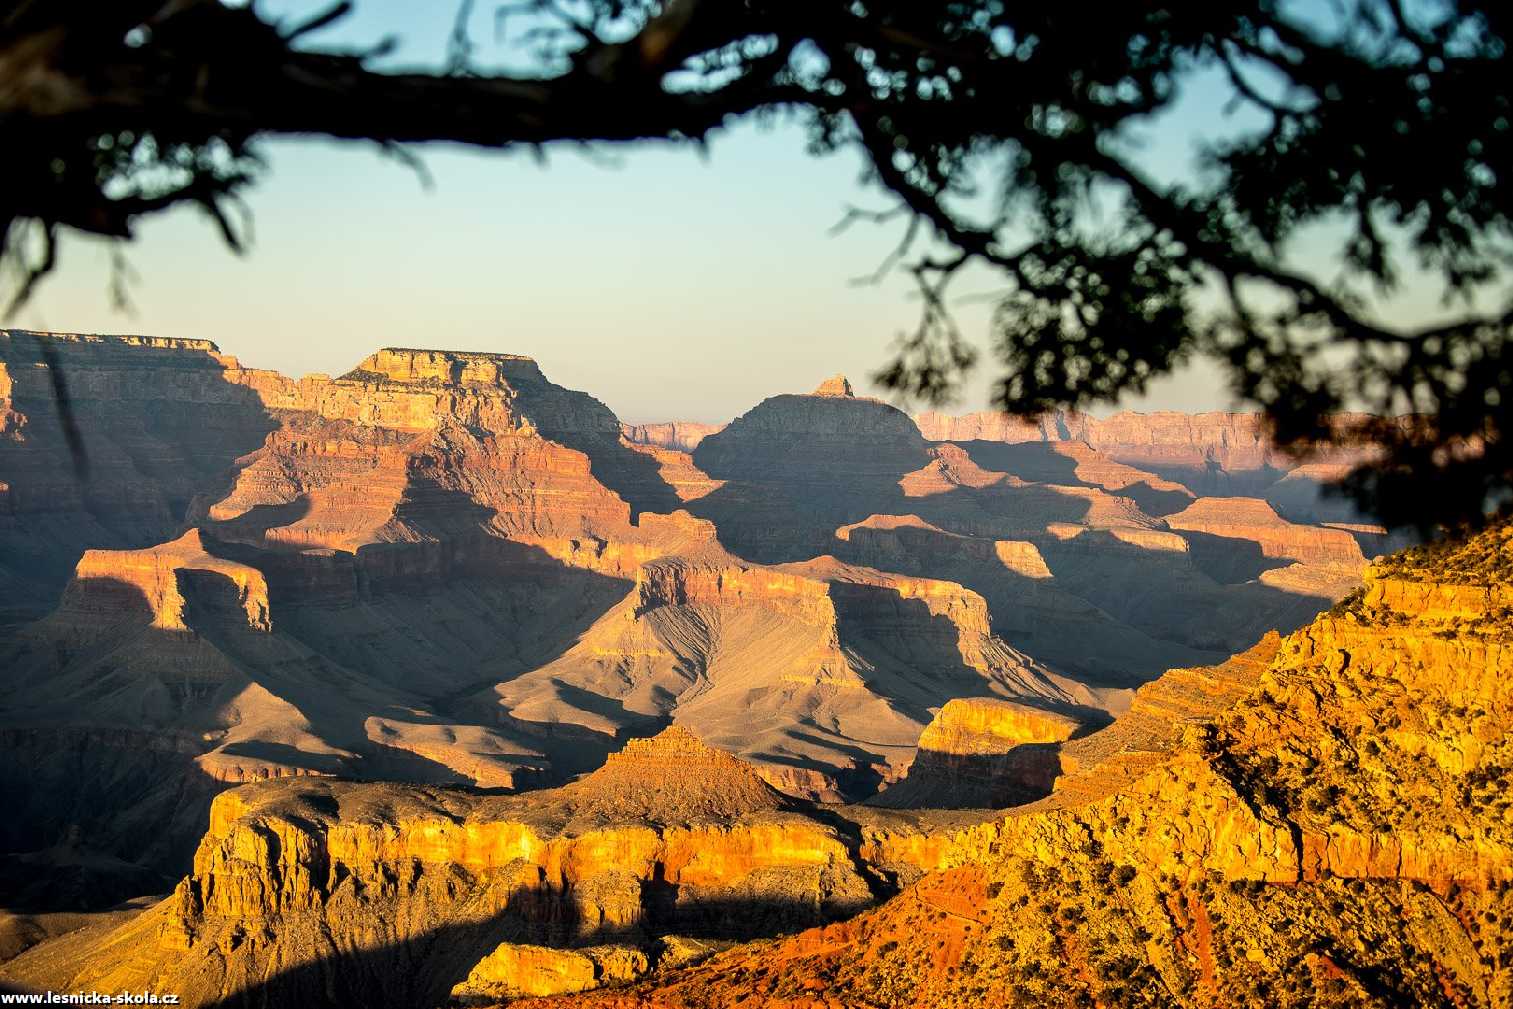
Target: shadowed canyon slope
442, 568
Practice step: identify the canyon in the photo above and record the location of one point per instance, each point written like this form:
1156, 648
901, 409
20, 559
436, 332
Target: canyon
465, 674
1322, 820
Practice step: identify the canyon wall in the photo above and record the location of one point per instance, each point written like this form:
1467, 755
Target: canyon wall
1321, 821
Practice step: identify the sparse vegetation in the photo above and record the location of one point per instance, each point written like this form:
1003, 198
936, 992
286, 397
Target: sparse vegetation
1485, 559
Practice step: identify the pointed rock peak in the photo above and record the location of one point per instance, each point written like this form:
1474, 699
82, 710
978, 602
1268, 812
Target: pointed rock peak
835, 385
672, 742
674, 776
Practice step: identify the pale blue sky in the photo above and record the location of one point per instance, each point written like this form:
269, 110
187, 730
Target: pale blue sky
670, 286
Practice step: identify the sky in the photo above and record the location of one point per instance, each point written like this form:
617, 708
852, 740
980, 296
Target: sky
669, 285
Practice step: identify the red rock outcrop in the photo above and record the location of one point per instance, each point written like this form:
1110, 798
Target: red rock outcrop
416, 445
109, 585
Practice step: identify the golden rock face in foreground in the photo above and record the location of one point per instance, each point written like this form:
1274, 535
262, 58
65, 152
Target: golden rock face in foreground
514, 970
1326, 821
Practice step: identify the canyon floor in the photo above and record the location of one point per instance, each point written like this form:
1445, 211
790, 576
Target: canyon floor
435, 683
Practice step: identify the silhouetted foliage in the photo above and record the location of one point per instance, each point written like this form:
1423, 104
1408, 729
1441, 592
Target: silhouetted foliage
1386, 126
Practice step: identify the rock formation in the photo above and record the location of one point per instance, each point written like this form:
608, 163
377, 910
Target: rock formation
821, 673
1319, 821
305, 605
1208, 454
1125, 586
158, 422
516, 969
835, 385
982, 752
796, 467
1252, 523
1322, 821
681, 435
321, 892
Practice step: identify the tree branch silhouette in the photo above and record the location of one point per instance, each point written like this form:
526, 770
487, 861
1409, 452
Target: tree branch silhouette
1386, 127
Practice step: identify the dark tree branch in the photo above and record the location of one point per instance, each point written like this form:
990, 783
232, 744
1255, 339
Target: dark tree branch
1397, 130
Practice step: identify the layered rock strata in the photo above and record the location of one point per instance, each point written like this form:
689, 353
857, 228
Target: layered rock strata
305, 599
1119, 588
734, 650
157, 423
442, 568
1322, 821
1219, 454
